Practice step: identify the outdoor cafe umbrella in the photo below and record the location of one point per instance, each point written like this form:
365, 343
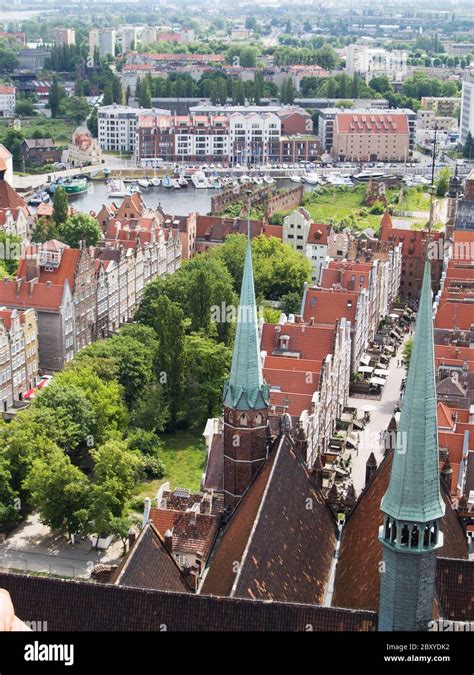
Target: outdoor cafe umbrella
368, 407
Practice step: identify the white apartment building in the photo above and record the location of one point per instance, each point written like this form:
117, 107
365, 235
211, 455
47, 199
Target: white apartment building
368, 61
254, 137
467, 110
129, 36
310, 239
7, 100
104, 39
118, 126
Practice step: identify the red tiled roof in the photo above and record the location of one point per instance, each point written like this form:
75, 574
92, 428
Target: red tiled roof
318, 233
44, 296
188, 537
66, 270
451, 315
445, 416
377, 123
9, 198
330, 305
312, 342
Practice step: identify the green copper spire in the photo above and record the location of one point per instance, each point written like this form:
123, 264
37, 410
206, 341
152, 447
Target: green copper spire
246, 389
414, 493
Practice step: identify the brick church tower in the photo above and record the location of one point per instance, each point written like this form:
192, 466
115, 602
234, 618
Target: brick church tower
246, 398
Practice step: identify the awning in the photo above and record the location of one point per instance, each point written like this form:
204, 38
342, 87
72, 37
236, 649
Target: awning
368, 407
382, 372
389, 348
365, 359
365, 369
394, 316
377, 380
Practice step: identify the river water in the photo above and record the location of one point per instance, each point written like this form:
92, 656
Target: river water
175, 202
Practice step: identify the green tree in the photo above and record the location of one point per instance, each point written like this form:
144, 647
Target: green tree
239, 93
54, 97
145, 95
207, 365
169, 361
80, 227
8, 61
93, 123
291, 302
60, 207
407, 350
442, 182
12, 141
108, 97
77, 108
58, 491
468, 149
25, 108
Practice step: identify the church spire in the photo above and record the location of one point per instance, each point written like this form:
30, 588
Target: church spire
412, 504
246, 389
413, 492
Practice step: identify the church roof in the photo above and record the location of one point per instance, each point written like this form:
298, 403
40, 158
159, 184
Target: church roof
414, 493
245, 388
282, 532
150, 565
357, 581
67, 605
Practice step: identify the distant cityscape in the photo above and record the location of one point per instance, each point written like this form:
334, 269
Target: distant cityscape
236, 320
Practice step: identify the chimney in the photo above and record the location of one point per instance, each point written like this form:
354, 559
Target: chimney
32, 267
146, 511
132, 537
169, 540
447, 474
32, 283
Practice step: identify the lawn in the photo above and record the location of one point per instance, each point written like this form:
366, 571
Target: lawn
60, 130
347, 205
184, 457
336, 205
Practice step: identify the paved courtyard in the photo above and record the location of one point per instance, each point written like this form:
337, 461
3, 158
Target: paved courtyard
32, 547
370, 438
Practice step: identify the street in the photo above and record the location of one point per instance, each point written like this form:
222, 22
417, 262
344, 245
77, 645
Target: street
370, 438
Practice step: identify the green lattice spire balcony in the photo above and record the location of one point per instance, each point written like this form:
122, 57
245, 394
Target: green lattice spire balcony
414, 491
246, 389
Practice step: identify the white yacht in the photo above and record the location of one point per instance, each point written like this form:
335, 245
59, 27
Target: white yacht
269, 180
116, 188
199, 180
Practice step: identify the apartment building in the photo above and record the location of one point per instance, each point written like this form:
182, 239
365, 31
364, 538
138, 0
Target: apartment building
64, 36
371, 137
445, 106
197, 137
18, 355
370, 61
467, 110
328, 117
328, 306
104, 39
117, 127
7, 100
310, 239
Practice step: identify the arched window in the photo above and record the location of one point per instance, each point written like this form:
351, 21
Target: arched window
405, 535
231, 417
415, 536
244, 422
258, 420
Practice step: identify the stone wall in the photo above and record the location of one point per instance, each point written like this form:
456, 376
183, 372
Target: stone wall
266, 196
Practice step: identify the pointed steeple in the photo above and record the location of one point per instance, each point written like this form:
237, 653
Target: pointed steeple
412, 505
414, 493
246, 389
386, 219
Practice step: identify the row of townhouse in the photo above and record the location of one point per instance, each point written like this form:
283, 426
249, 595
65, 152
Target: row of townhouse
84, 294
307, 366
229, 134
18, 355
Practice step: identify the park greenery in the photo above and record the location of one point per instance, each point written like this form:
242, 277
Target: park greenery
95, 439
